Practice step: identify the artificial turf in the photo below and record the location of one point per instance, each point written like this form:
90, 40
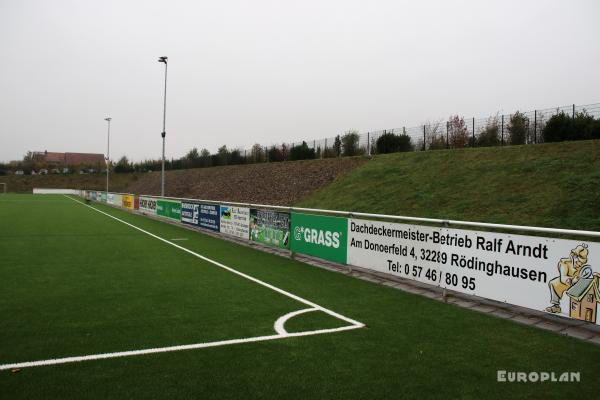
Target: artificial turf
74, 282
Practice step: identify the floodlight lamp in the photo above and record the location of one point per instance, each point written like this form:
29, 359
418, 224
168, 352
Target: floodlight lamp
163, 59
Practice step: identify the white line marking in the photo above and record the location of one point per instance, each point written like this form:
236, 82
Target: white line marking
179, 239
218, 264
281, 332
279, 324
103, 356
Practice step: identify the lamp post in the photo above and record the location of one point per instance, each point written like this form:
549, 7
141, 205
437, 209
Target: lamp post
163, 133
107, 154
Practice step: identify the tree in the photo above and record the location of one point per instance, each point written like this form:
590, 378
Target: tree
205, 159
562, 126
275, 154
391, 143
302, 152
349, 143
223, 155
337, 146
517, 128
123, 165
257, 153
458, 133
489, 135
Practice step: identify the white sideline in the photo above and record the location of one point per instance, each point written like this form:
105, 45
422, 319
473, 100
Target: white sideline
279, 324
130, 353
281, 332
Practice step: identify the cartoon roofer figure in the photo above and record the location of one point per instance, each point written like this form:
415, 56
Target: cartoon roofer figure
570, 269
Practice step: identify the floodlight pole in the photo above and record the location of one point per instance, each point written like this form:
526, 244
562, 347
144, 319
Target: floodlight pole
107, 153
164, 132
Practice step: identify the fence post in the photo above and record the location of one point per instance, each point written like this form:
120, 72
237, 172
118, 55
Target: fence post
473, 131
424, 143
447, 137
573, 111
502, 130
325, 152
368, 144
266, 154
534, 126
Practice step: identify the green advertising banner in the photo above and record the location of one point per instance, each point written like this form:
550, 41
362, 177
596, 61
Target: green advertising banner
169, 209
320, 236
270, 227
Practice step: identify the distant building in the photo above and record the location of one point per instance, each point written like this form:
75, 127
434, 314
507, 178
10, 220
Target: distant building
54, 159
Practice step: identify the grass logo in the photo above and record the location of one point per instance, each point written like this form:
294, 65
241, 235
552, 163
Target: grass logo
320, 236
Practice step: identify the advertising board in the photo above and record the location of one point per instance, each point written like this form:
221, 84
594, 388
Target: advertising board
169, 209
235, 221
320, 236
554, 275
270, 227
147, 205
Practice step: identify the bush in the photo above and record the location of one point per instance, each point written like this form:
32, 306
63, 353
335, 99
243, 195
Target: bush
350, 144
562, 126
391, 143
302, 152
517, 128
458, 133
488, 136
438, 142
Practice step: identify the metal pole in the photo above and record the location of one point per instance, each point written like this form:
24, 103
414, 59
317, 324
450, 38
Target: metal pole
534, 126
424, 143
447, 129
502, 129
368, 144
473, 131
573, 110
163, 134
107, 154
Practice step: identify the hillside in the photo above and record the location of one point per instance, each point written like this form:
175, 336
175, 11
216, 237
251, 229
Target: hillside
554, 185
26, 183
281, 183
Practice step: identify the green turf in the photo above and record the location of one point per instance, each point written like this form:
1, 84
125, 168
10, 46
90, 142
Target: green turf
77, 282
553, 185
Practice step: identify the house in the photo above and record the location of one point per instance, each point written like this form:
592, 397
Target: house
584, 297
56, 160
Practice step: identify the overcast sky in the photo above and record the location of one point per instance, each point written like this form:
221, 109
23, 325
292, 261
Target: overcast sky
244, 72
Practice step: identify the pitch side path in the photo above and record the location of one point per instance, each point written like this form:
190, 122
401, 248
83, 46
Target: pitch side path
137, 308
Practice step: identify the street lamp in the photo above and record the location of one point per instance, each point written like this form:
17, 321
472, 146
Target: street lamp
107, 154
163, 133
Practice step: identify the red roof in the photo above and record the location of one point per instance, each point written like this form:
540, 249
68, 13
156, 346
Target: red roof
70, 158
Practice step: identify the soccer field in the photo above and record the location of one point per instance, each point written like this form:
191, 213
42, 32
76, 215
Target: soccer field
97, 302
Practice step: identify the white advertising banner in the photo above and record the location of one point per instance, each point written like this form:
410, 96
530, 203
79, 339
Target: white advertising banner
235, 221
148, 205
110, 198
117, 200
554, 275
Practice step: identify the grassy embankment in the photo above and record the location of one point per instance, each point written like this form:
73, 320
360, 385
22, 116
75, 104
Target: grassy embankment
552, 185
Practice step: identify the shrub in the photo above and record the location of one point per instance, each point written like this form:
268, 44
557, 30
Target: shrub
350, 143
302, 152
438, 142
517, 128
458, 134
562, 126
391, 143
488, 136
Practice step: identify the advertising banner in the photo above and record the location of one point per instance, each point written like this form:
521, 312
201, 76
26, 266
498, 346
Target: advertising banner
270, 227
110, 199
136, 203
169, 208
117, 200
235, 221
93, 195
554, 275
320, 236
103, 197
127, 201
190, 213
210, 217
148, 205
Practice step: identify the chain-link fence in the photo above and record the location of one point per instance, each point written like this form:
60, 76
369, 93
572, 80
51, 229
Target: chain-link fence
456, 132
